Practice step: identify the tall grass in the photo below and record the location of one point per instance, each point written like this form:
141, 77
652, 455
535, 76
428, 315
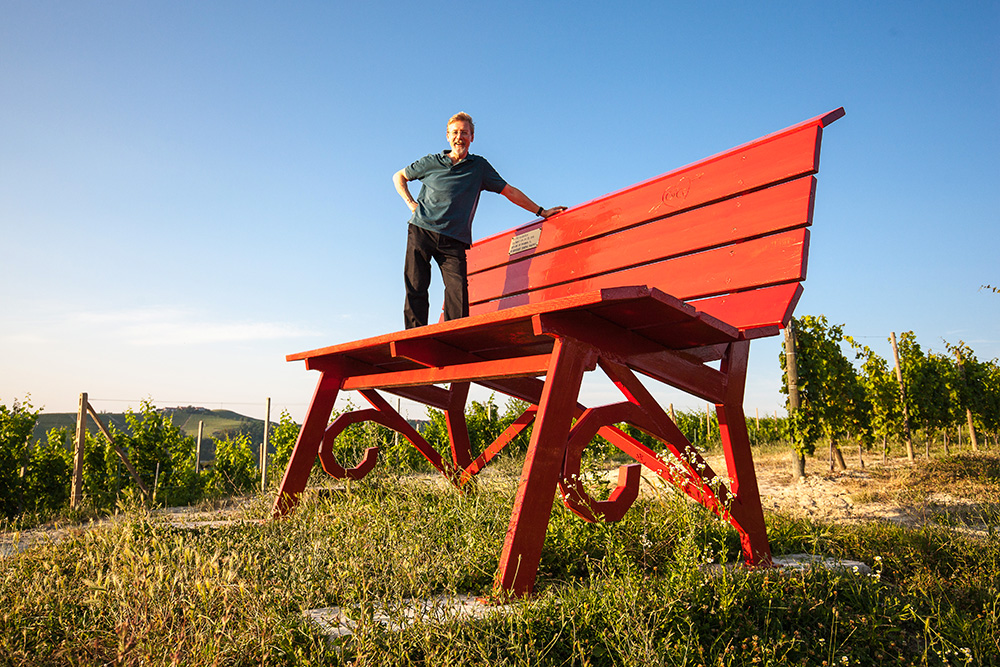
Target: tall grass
648, 590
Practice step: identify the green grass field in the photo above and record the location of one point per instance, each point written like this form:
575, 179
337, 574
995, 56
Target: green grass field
645, 591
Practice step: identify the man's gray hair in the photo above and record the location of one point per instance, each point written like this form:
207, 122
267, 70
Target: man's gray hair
462, 116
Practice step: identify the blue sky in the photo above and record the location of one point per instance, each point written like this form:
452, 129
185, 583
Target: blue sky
189, 191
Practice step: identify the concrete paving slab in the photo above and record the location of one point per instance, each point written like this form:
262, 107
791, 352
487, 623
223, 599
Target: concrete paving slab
807, 561
335, 623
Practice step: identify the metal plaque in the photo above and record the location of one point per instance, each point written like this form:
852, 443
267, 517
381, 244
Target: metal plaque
525, 241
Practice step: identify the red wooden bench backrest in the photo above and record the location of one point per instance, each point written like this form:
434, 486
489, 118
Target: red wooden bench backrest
728, 234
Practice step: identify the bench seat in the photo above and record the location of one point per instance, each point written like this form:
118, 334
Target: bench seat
659, 280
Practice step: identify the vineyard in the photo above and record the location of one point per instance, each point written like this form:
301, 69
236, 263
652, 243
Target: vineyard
930, 395
144, 589
861, 406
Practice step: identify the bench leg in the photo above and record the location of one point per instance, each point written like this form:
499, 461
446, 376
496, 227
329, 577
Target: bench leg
740, 503
522, 549
739, 461
307, 446
458, 428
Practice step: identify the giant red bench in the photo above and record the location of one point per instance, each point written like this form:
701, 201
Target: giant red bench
669, 280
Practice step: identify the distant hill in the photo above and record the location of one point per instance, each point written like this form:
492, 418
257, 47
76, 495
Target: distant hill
217, 424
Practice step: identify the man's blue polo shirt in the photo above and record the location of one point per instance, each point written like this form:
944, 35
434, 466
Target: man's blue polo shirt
449, 193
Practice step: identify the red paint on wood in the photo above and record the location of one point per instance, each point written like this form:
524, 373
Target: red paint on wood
729, 174
764, 212
759, 262
714, 495
504, 439
392, 419
609, 282
574, 495
534, 365
307, 445
749, 520
768, 306
458, 430
522, 549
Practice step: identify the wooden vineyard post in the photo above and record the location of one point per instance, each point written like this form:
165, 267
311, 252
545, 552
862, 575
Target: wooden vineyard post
792, 373
263, 446
972, 431
197, 447
902, 398
76, 494
708, 424
973, 441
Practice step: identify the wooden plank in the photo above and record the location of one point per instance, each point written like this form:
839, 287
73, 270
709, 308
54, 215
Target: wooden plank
472, 327
340, 365
474, 372
664, 319
638, 313
431, 352
522, 549
774, 259
500, 338
436, 397
668, 321
769, 306
740, 170
527, 389
776, 209
678, 371
610, 338
79, 449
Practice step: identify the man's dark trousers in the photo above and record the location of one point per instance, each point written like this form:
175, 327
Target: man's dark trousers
422, 245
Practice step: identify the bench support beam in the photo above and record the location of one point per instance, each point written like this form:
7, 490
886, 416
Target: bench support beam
522, 549
307, 445
739, 462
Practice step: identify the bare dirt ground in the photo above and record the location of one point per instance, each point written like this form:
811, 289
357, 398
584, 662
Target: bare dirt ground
877, 492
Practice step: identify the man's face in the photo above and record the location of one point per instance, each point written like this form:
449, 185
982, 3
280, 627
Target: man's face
459, 137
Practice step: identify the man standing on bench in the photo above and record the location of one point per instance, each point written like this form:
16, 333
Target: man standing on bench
441, 224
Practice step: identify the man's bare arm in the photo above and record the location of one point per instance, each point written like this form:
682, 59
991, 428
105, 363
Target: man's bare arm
517, 197
400, 181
